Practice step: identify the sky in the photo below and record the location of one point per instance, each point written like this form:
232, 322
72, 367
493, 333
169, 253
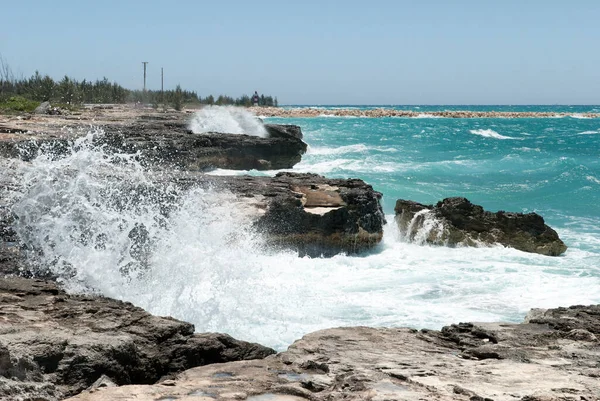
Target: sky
320, 51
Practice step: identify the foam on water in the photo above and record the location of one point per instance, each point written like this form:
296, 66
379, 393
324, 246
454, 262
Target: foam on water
226, 119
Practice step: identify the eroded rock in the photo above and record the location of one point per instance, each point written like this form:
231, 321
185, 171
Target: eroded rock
456, 221
467, 361
54, 345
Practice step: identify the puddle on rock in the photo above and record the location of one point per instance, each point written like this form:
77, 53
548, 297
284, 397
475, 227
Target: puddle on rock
274, 397
294, 377
389, 388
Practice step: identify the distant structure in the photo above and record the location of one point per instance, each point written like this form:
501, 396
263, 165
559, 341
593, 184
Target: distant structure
144, 62
255, 98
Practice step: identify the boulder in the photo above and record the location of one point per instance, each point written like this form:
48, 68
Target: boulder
456, 221
43, 108
311, 214
466, 361
54, 345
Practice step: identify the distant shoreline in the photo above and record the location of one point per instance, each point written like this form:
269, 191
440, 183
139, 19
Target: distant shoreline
390, 112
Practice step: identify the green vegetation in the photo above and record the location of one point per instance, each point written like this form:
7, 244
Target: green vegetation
18, 104
25, 92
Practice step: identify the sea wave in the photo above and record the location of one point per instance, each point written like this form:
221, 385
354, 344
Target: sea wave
356, 148
589, 132
489, 133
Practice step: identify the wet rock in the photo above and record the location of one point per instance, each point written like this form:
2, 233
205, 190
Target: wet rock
466, 361
309, 213
54, 345
456, 221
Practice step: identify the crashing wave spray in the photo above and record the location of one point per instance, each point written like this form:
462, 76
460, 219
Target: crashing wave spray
421, 228
101, 222
228, 120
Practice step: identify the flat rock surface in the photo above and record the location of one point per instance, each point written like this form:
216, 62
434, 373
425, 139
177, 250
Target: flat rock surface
54, 345
546, 359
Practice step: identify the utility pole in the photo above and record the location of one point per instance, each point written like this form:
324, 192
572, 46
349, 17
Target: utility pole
144, 62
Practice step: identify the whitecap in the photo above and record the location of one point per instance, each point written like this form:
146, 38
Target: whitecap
489, 133
593, 179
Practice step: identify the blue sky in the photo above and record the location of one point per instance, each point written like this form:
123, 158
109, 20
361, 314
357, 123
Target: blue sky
320, 52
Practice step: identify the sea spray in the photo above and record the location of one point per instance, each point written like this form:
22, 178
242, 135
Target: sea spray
227, 119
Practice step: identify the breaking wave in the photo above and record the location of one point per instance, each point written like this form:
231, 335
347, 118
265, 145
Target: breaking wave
488, 133
228, 120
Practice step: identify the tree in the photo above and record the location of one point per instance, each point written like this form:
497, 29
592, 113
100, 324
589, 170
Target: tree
178, 98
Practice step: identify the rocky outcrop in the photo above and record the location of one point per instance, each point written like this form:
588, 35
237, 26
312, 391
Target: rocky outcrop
314, 215
174, 145
162, 140
456, 221
542, 360
54, 345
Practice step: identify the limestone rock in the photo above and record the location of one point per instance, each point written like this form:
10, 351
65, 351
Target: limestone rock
312, 214
466, 361
43, 108
456, 221
54, 345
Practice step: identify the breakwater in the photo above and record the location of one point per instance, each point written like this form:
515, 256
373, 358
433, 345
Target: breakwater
390, 112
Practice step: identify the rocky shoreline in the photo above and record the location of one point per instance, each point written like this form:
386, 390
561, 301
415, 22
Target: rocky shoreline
385, 112
55, 345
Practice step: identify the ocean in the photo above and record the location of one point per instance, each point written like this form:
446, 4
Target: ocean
550, 166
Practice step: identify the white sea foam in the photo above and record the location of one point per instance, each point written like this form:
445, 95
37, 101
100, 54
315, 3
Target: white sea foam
578, 115
489, 133
227, 120
589, 132
103, 224
426, 115
593, 179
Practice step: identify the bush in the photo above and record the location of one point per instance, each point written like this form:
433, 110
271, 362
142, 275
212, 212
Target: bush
18, 104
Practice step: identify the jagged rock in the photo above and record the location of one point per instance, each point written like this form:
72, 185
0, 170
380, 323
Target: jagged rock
467, 361
54, 345
312, 214
456, 221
